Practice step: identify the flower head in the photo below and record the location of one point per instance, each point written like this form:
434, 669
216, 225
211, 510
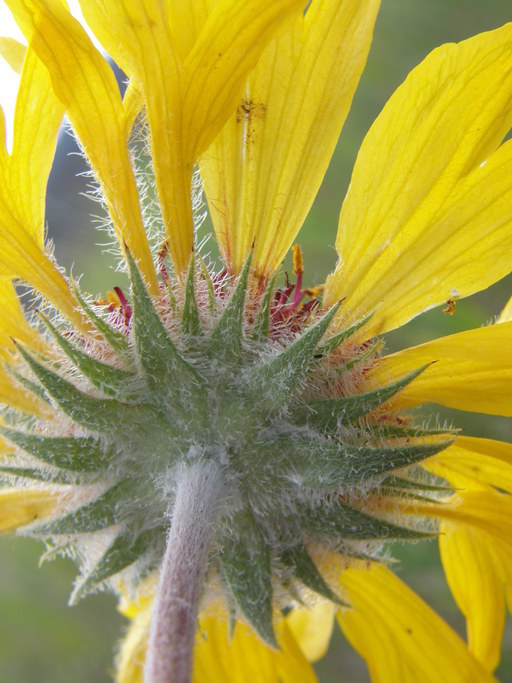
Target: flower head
213, 441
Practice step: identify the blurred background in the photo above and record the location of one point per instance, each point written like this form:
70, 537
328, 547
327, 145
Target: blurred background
44, 641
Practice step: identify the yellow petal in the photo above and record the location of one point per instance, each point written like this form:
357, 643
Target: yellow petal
242, 659
13, 52
133, 104
506, 313
187, 103
23, 177
37, 109
488, 447
132, 654
476, 547
5, 447
13, 323
425, 218
186, 21
291, 662
471, 462
12, 394
472, 370
478, 590
23, 506
312, 628
27, 171
399, 636
137, 36
246, 659
502, 557
3, 149
227, 49
485, 510
21, 257
264, 170
85, 84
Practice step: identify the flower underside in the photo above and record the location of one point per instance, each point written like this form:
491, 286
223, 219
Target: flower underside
250, 383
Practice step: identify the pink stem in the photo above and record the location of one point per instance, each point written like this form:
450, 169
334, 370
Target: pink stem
173, 627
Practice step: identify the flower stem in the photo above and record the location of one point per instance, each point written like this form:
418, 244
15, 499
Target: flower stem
173, 627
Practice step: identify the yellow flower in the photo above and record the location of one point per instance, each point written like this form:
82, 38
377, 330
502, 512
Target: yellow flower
213, 439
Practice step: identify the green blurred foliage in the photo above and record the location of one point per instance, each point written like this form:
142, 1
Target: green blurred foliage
41, 640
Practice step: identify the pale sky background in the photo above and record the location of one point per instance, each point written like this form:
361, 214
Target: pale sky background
8, 78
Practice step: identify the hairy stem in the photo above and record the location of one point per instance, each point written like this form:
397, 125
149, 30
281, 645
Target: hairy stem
174, 621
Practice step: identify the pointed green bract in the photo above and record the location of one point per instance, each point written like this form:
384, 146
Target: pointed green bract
361, 463
326, 347
333, 412
124, 551
327, 465
209, 284
101, 415
278, 376
79, 454
342, 522
109, 379
393, 431
246, 567
190, 323
225, 343
33, 387
401, 483
172, 298
100, 513
371, 350
113, 337
261, 326
299, 560
57, 477
163, 366
231, 616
